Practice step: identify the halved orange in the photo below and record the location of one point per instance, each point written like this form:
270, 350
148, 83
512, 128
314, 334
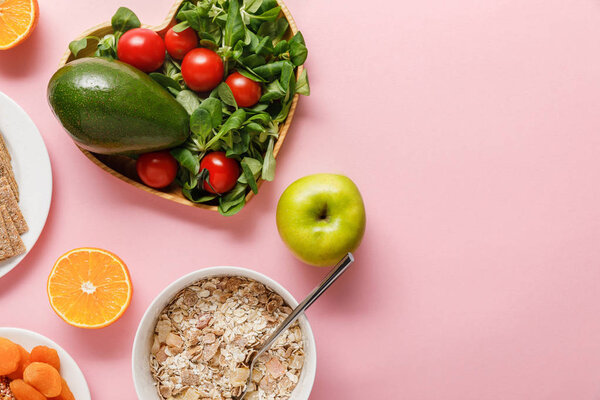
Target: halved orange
89, 288
17, 20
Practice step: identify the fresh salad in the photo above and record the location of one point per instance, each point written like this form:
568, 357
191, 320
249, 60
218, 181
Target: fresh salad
234, 68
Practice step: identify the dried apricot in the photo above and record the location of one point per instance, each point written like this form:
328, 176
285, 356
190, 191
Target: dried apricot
23, 363
23, 391
9, 357
44, 377
46, 355
65, 394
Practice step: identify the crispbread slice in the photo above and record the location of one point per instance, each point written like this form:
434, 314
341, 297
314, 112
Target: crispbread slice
7, 172
14, 238
3, 147
6, 250
7, 199
6, 167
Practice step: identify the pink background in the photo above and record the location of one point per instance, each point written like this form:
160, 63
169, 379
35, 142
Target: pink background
471, 128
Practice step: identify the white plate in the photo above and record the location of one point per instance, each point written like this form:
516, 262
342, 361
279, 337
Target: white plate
69, 369
32, 170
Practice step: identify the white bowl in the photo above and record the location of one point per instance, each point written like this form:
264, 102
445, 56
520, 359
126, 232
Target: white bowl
68, 367
142, 377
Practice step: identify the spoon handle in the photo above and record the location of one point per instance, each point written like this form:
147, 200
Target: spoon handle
335, 273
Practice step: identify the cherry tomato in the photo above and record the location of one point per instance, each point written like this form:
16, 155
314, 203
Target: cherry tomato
245, 91
223, 172
180, 43
156, 169
202, 69
142, 48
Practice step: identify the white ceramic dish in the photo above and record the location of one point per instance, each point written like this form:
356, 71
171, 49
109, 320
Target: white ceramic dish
142, 377
69, 369
32, 171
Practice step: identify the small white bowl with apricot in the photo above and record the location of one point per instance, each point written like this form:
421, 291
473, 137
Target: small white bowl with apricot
33, 367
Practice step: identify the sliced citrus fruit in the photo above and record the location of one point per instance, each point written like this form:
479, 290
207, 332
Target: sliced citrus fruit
17, 20
89, 288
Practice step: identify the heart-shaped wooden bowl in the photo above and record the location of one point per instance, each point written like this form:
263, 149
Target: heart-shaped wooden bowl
124, 167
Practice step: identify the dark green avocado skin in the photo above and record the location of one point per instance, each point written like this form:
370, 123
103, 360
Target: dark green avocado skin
110, 107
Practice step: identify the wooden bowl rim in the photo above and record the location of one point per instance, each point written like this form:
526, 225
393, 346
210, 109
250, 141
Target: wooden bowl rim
67, 56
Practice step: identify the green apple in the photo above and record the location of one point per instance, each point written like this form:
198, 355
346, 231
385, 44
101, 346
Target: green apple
321, 217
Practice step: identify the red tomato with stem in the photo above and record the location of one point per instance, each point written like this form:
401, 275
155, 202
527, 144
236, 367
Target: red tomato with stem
157, 169
202, 69
223, 172
180, 43
246, 92
142, 48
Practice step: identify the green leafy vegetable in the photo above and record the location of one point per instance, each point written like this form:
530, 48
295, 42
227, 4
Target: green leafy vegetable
281, 48
215, 109
302, 86
270, 71
107, 47
234, 28
248, 175
273, 91
189, 100
268, 170
186, 159
251, 6
182, 26
77, 45
255, 168
233, 201
225, 93
234, 121
298, 51
201, 123
166, 81
274, 29
124, 20
269, 15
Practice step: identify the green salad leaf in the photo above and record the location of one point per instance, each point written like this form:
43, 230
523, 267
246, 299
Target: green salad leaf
187, 160
107, 47
268, 169
226, 95
235, 29
77, 45
302, 86
124, 20
166, 82
189, 100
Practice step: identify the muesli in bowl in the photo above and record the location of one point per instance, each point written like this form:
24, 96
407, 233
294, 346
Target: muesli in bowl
203, 337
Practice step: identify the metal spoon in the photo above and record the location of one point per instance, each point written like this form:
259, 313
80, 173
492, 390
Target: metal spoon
335, 273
